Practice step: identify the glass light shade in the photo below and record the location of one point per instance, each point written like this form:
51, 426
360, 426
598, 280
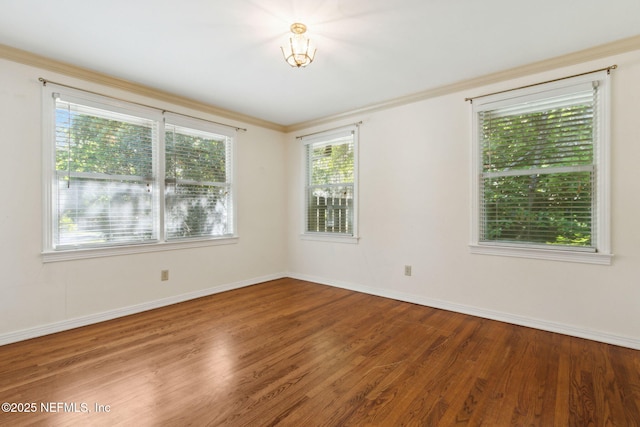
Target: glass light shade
298, 51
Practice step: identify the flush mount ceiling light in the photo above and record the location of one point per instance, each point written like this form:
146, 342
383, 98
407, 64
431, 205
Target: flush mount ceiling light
298, 51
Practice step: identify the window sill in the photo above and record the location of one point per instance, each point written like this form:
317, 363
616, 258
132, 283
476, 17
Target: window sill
547, 254
73, 254
328, 237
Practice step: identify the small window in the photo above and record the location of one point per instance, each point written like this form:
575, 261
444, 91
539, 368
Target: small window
541, 175
330, 188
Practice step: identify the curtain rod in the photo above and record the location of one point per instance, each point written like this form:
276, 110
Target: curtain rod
607, 69
329, 130
45, 81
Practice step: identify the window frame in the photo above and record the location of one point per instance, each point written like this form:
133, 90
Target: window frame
320, 138
601, 214
230, 167
160, 242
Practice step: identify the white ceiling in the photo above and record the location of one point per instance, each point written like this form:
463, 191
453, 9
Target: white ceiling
226, 53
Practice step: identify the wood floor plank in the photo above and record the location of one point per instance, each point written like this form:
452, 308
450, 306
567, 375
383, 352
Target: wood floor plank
295, 353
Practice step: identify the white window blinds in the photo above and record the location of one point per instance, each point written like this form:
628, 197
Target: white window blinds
103, 176
121, 174
538, 168
330, 183
198, 191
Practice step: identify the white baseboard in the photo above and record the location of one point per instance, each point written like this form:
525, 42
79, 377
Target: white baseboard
479, 312
77, 322
544, 325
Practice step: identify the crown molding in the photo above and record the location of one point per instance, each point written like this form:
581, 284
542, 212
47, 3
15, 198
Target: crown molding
590, 54
31, 59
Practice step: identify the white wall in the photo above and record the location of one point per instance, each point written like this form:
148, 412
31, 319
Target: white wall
415, 209
57, 295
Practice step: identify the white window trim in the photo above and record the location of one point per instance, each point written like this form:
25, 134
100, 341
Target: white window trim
206, 126
86, 253
330, 237
603, 255
48, 167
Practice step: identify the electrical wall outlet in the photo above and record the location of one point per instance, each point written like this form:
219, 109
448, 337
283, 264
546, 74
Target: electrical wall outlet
164, 275
407, 270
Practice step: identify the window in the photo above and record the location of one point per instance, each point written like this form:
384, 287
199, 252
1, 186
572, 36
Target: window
330, 187
119, 174
198, 191
540, 180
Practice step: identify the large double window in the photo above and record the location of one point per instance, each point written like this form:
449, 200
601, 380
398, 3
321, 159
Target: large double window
540, 180
330, 188
119, 174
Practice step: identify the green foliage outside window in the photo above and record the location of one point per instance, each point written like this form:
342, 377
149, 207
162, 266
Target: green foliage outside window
99, 145
537, 176
104, 165
196, 194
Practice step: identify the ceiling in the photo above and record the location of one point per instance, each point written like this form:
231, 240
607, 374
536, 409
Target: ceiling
227, 53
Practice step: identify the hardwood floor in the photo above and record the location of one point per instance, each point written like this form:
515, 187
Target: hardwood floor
294, 353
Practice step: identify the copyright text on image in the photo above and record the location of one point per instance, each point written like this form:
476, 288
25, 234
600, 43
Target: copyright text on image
54, 407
